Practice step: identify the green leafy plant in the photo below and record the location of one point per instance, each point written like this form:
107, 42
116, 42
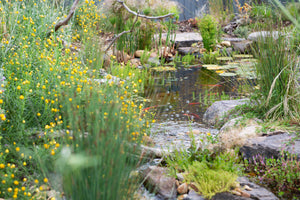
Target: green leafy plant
209, 31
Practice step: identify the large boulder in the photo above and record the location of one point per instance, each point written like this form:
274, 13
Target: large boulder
271, 146
158, 181
262, 35
219, 109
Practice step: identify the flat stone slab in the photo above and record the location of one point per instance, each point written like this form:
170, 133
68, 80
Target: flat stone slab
271, 146
183, 39
232, 39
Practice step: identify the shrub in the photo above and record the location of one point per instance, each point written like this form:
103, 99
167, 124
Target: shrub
209, 31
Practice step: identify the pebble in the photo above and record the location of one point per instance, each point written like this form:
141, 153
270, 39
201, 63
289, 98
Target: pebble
183, 188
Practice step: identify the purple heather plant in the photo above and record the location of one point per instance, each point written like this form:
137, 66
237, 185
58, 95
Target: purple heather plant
282, 175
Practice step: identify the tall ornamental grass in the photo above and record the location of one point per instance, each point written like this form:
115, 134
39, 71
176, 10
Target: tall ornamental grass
277, 71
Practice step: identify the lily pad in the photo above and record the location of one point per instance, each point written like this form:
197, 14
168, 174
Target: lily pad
224, 59
241, 56
220, 71
253, 60
163, 68
228, 74
212, 67
226, 67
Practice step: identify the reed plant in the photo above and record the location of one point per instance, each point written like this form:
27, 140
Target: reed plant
279, 95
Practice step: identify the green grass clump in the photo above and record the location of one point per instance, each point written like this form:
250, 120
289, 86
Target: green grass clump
209, 181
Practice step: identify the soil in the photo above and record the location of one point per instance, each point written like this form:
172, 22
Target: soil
187, 26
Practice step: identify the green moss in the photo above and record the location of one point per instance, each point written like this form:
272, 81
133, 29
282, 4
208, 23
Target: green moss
210, 181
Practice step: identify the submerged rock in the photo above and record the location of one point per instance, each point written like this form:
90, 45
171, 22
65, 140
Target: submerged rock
219, 109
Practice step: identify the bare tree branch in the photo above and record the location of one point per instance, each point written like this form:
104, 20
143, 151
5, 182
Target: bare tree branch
137, 16
144, 16
67, 19
122, 33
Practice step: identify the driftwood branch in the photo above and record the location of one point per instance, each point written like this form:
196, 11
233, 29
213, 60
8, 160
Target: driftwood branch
122, 33
144, 16
137, 16
67, 19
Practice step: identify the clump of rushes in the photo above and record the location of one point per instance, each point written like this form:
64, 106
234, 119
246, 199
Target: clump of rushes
281, 175
278, 96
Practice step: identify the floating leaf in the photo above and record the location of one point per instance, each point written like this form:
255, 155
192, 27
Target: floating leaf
220, 71
240, 56
228, 74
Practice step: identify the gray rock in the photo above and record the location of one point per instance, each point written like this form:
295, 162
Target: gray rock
194, 196
158, 181
233, 39
234, 24
186, 50
183, 39
263, 34
228, 196
155, 152
218, 109
258, 192
242, 46
153, 61
271, 146
226, 51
